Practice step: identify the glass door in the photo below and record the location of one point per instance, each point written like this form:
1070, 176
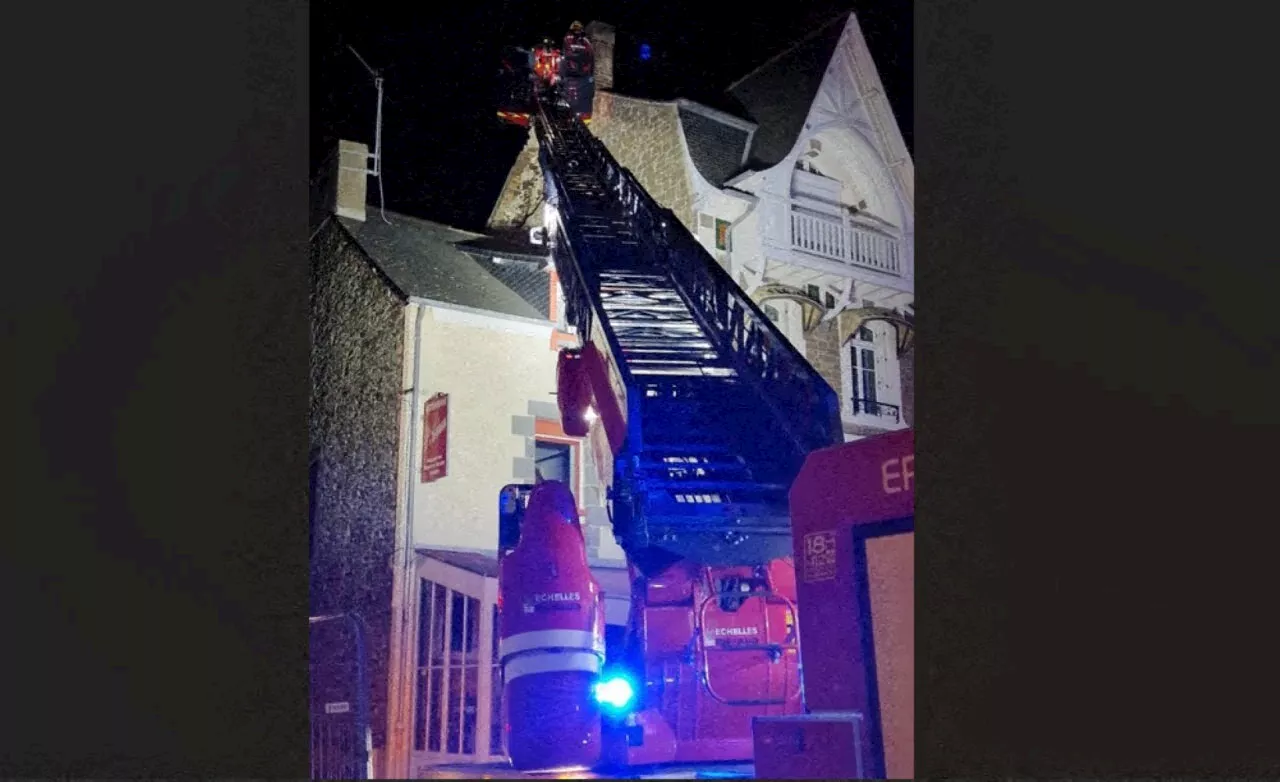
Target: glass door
457, 698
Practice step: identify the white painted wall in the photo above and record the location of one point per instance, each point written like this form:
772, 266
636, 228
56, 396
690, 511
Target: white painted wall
490, 367
862, 144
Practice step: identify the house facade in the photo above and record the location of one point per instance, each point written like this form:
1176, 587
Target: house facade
434, 378
803, 189
434, 356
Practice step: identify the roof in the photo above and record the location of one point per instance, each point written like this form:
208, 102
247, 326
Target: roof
519, 265
420, 257
779, 93
716, 143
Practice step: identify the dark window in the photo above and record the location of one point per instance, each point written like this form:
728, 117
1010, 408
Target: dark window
554, 462
862, 359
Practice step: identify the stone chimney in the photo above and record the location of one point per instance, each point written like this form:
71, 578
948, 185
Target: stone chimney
601, 36
349, 182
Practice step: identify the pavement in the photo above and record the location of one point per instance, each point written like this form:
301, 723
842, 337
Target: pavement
500, 771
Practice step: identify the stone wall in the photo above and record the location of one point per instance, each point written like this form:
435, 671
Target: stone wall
643, 135
520, 202
822, 349
356, 344
907, 363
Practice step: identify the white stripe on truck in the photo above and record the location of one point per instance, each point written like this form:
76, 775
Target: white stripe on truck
549, 639
550, 662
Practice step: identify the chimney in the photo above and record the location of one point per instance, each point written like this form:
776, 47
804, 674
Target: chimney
601, 37
350, 182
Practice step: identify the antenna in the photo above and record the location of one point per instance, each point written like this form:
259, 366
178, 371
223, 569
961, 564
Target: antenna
376, 156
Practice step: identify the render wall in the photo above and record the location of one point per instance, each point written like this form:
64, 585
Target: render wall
356, 344
500, 375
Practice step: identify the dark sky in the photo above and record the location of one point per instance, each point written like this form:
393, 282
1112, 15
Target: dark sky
445, 153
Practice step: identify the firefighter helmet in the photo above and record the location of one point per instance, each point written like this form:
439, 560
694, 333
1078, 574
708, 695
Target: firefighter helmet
576, 27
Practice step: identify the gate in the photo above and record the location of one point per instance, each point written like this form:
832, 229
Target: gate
339, 699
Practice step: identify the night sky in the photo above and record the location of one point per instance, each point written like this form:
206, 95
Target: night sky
446, 154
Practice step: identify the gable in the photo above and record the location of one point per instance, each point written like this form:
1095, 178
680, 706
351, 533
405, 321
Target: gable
778, 94
830, 75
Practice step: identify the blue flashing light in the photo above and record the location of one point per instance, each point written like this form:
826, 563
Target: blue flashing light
645, 51
615, 693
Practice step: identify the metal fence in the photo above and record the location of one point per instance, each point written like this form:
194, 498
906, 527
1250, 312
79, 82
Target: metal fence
339, 699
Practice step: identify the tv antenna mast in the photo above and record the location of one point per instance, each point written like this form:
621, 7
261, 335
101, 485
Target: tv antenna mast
376, 157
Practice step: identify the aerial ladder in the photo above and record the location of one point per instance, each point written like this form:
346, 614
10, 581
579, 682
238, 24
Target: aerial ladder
699, 414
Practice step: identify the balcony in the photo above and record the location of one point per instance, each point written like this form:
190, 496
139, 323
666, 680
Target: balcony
840, 239
885, 415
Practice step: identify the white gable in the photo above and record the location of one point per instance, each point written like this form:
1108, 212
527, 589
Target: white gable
852, 95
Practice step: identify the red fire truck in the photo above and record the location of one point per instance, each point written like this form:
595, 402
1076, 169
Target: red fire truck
699, 414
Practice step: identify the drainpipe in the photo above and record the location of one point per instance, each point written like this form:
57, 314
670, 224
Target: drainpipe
402, 660
752, 203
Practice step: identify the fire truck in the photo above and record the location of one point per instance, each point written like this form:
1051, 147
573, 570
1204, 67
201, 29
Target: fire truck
699, 414
545, 73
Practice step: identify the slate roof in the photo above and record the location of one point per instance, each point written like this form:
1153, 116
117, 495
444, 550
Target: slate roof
518, 264
716, 147
421, 258
778, 94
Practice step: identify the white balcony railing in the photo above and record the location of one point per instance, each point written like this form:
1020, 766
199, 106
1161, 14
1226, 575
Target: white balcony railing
842, 240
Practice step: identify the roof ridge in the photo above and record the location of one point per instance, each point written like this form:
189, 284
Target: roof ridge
427, 221
815, 32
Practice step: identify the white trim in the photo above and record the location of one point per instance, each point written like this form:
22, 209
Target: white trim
457, 313
458, 579
549, 639
550, 662
719, 116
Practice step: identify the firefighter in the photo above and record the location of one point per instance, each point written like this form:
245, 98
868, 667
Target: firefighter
546, 62
578, 57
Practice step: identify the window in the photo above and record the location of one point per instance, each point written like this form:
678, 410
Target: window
722, 234
862, 360
870, 377
787, 316
554, 462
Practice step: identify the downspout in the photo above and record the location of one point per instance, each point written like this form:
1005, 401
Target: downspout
399, 767
752, 202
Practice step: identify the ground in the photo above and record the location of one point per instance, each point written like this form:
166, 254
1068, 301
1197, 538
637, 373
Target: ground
701, 771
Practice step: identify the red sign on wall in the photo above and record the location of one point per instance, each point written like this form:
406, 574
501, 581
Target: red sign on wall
435, 438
